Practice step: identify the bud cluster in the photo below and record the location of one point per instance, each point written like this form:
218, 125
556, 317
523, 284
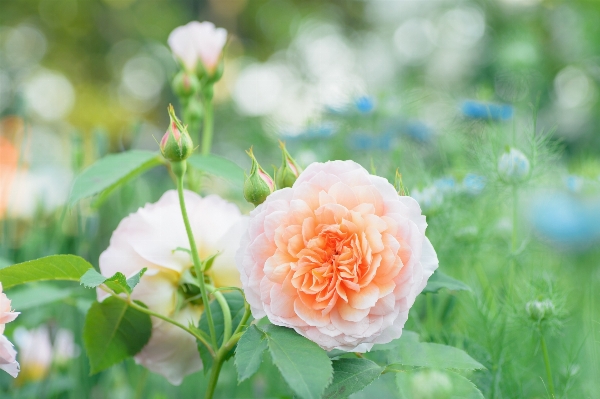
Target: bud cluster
259, 184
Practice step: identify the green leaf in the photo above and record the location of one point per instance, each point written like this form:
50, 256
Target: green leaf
118, 283
218, 166
55, 267
410, 352
440, 280
34, 295
92, 279
110, 172
113, 331
435, 384
236, 306
249, 352
350, 376
302, 363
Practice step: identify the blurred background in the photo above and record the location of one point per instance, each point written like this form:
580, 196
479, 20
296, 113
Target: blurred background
436, 88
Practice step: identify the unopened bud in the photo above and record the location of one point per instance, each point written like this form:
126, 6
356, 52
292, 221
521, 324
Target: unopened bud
185, 84
540, 310
259, 184
513, 166
289, 171
176, 145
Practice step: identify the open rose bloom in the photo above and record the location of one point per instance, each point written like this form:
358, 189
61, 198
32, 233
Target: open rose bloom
8, 354
340, 257
198, 42
149, 238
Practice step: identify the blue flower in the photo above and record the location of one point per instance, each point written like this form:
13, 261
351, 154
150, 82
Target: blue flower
445, 184
363, 141
364, 104
419, 131
574, 183
473, 184
480, 110
566, 220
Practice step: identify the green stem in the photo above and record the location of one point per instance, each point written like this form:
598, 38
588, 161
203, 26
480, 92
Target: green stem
179, 170
226, 312
218, 363
547, 364
208, 126
142, 309
514, 238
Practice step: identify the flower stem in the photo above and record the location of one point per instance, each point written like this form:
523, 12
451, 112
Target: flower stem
226, 312
208, 126
179, 170
142, 309
220, 359
547, 364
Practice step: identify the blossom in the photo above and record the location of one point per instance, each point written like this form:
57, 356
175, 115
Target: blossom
339, 257
155, 237
8, 355
35, 349
513, 166
198, 42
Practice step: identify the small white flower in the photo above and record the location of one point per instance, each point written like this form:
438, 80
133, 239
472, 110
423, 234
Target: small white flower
513, 166
198, 42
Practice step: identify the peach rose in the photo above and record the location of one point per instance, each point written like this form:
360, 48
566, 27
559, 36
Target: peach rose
198, 42
149, 238
8, 355
339, 257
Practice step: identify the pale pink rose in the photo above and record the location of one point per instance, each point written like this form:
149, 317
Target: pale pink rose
149, 238
198, 42
8, 357
339, 257
6, 313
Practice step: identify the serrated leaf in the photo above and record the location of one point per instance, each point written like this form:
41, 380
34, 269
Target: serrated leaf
236, 306
440, 280
114, 331
303, 364
434, 384
350, 376
55, 267
218, 166
110, 172
92, 279
249, 352
409, 352
117, 282
135, 279
34, 295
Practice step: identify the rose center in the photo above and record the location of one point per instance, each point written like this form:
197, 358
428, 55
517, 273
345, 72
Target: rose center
332, 262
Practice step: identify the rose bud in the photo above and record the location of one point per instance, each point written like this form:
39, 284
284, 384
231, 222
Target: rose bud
185, 84
513, 166
198, 46
176, 145
259, 184
289, 171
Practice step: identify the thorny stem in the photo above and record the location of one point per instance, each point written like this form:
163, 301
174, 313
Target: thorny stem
179, 170
547, 364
